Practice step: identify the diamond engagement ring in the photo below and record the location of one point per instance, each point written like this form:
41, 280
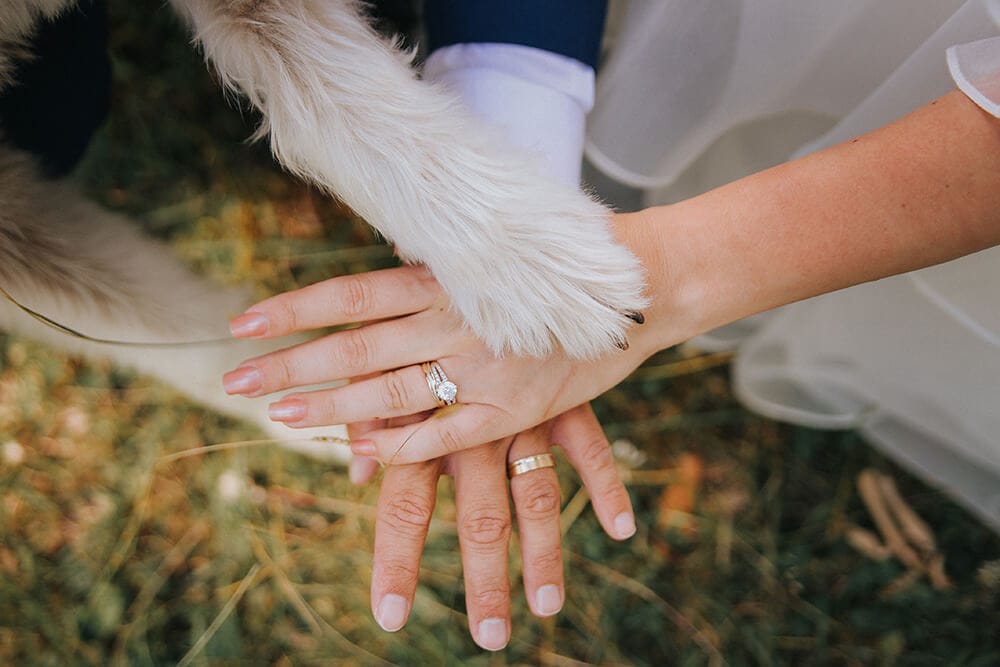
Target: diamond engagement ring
444, 390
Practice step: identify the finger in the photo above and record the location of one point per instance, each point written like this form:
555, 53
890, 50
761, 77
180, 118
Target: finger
342, 300
359, 429
445, 431
394, 394
483, 515
580, 435
403, 514
362, 469
537, 505
344, 354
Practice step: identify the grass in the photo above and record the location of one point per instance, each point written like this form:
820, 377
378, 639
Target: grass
111, 554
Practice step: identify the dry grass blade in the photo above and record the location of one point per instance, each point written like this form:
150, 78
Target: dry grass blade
888, 509
684, 367
242, 444
128, 535
682, 622
317, 624
552, 659
285, 249
73, 333
248, 581
870, 490
171, 561
914, 528
867, 543
647, 477
571, 511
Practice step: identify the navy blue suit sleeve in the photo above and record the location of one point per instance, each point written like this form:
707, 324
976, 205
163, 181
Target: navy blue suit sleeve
571, 28
62, 95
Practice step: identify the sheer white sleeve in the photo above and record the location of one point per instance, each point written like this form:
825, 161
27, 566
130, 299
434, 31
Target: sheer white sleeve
975, 67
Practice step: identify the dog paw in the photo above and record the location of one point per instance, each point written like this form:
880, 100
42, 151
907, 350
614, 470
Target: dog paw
546, 273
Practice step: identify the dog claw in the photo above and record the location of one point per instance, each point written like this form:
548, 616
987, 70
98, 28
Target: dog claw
635, 316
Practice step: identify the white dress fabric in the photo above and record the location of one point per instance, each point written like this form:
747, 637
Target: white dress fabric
912, 361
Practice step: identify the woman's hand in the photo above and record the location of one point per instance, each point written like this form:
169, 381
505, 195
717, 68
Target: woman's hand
374, 404
408, 322
820, 223
407, 499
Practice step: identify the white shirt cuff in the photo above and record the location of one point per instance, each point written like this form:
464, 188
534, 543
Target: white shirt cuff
539, 99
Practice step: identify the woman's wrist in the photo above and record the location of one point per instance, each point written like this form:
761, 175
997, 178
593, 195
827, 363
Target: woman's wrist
875, 206
673, 282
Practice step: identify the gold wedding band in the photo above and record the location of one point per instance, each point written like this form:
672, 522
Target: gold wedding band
529, 463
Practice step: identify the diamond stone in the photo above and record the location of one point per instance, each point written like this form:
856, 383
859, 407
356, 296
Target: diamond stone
447, 391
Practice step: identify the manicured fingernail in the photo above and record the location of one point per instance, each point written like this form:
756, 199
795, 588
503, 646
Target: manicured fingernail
493, 634
548, 600
363, 448
248, 324
392, 611
243, 380
287, 410
635, 316
624, 525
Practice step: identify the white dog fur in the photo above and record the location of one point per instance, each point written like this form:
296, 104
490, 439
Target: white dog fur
529, 263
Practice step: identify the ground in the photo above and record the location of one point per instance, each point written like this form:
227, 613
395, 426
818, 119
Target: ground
111, 551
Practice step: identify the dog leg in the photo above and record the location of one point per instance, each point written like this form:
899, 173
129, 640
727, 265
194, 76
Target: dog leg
87, 268
528, 262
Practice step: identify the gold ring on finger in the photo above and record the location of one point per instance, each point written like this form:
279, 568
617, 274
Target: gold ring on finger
445, 391
529, 463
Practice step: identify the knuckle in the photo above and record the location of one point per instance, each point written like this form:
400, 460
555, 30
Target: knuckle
406, 513
597, 455
537, 498
355, 351
450, 439
395, 393
281, 371
490, 599
399, 571
493, 454
486, 527
547, 561
287, 316
612, 495
357, 297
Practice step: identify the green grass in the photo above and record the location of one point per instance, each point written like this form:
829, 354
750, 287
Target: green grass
108, 553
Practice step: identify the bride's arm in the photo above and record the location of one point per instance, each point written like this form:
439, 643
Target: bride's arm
922, 190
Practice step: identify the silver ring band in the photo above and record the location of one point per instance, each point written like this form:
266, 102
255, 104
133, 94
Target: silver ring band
445, 391
529, 463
